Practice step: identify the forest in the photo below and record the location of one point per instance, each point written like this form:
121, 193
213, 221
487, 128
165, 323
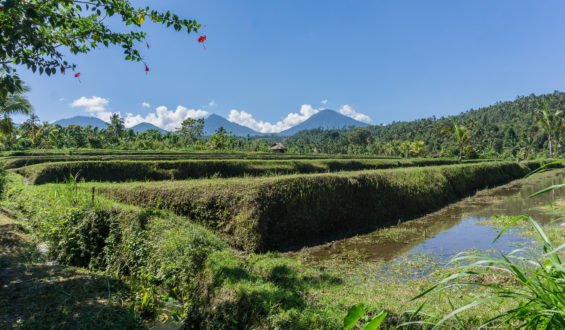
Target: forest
507, 130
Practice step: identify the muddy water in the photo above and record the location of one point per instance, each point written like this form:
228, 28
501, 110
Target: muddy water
453, 228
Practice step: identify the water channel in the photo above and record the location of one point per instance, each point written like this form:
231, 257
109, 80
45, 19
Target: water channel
454, 228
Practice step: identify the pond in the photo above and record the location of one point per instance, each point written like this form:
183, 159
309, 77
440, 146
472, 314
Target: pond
454, 228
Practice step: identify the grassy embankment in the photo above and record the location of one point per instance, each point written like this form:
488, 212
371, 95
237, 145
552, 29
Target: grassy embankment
42, 155
271, 213
136, 170
169, 259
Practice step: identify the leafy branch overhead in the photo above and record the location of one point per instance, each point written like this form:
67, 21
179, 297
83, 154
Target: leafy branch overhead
39, 34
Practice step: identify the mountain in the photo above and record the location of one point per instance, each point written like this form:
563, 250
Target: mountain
326, 119
213, 122
82, 121
142, 127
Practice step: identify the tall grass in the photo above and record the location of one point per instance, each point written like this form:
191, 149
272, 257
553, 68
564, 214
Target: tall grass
138, 170
533, 280
273, 213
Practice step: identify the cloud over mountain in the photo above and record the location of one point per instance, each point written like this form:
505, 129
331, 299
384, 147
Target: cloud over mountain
292, 119
164, 118
348, 111
95, 106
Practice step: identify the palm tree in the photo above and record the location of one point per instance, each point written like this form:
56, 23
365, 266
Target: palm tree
116, 127
13, 103
551, 123
461, 136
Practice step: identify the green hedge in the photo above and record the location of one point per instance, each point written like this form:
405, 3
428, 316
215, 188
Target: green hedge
259, 214
120, 171
20, 159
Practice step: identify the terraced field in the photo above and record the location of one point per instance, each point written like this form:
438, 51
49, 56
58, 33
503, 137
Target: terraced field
207, 233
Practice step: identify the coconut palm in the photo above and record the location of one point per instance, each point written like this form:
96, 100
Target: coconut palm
461, 136
552, 124
13, 103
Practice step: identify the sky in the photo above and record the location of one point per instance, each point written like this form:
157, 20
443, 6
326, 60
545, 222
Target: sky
269, 65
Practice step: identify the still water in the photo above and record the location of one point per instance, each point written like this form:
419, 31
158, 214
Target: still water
454, 228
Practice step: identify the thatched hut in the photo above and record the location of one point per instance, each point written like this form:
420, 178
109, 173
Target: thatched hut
278, 147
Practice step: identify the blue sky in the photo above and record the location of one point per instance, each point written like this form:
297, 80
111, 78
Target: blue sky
271, 64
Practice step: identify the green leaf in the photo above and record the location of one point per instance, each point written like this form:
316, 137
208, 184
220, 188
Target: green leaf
353, 316
510, 225
376, 322
556, 186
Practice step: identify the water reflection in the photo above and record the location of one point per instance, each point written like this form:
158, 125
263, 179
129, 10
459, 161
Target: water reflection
454, 228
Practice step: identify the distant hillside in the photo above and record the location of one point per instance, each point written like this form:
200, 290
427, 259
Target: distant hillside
507, 128
82, 121
143, 127
325, 119
214, 121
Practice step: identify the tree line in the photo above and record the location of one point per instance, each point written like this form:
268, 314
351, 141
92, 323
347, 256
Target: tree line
526, 128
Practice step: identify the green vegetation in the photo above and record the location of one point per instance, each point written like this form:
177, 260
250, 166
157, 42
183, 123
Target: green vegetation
173, 265
13, 103
259, 214
41, 37
139, 170
506, 130
552, 125
461, 136
533, 282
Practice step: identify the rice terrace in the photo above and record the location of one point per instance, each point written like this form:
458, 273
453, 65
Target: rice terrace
441, 208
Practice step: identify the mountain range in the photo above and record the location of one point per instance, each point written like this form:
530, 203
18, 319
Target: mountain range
82, 121
326, 119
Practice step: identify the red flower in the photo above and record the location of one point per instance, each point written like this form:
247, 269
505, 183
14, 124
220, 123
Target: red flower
1, 8
146, 43
77, 75
202, 38
62, 69
146, 69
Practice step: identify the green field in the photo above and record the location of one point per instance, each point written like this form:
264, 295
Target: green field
141, 170
199, 248
260, 214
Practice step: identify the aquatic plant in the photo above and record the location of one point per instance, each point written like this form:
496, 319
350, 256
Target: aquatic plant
533, 281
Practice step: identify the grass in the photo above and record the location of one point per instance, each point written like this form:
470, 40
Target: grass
37, 295
532, 282
168, 264
140, 170
171, 264
17, 159
259, 214
555, 231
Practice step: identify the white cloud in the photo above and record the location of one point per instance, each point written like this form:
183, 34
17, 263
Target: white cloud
292, 119
95, 106
212, 104
145, 104
348, 111
62, 99
164, 118
324, 101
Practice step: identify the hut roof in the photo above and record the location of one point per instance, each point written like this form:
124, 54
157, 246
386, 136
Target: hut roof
277, 146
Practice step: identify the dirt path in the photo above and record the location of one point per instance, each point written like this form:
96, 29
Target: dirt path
37, 295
